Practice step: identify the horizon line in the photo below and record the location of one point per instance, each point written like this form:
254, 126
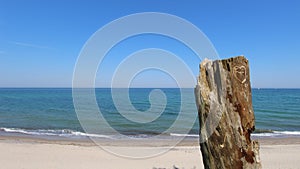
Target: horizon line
132, 87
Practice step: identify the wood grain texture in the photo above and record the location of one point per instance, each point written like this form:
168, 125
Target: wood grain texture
224, 102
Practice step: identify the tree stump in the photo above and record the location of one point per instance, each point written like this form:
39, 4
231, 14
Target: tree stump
226, 117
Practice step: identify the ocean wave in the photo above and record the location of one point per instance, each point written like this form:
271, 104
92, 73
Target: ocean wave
61, 133
263, 131
268, 133
184, 135
72, 133
277, 133
260, 133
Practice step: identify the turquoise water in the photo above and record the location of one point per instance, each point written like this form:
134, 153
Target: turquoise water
277, 111
50, 112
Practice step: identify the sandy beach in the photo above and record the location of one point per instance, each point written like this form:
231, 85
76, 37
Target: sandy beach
28, 153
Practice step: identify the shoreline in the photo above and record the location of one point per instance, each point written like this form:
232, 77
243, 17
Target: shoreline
104, 142
292, 140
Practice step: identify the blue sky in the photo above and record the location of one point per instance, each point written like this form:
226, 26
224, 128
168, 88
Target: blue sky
41, 40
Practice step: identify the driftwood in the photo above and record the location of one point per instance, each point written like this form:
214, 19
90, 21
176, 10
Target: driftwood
224, 102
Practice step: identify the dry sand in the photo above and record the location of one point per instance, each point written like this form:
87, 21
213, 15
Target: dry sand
20, 153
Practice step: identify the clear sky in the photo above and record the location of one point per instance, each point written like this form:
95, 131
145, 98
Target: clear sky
41, 40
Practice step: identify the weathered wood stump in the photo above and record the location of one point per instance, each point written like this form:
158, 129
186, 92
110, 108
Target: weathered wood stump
226, 117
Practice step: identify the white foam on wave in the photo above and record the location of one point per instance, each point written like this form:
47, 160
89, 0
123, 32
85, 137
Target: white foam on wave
263, 134
268, 134
288, 132
277, 133
72, 133
63, 132
184, 135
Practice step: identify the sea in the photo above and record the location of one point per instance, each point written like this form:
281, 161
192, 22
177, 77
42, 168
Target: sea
50, 113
